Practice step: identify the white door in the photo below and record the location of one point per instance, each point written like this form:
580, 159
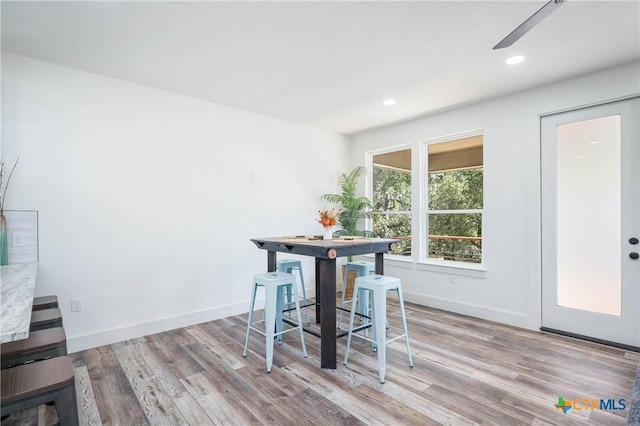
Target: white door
591, 222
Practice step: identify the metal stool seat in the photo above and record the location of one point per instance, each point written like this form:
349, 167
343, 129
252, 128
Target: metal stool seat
274, 283
44, 302
49, 381
290, 266
361, 269
41, 344
46, 318
379, 285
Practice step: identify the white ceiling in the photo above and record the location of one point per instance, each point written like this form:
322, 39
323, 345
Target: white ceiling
326, 64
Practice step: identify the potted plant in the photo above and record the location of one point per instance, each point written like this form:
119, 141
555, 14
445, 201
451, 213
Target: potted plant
354, 208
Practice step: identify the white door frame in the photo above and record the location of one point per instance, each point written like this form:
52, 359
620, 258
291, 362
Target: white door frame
624, 106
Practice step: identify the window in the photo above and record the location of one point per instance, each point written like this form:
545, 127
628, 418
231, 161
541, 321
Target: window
455, 200
392, 198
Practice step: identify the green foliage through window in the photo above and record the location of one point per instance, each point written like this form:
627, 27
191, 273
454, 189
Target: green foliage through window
455, 235
455, 199
392, 207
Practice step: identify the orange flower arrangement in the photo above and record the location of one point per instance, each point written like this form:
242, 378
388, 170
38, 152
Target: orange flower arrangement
329, 218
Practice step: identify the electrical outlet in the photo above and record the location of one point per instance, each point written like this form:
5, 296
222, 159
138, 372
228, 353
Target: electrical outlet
76, 305
452, 279
17, 239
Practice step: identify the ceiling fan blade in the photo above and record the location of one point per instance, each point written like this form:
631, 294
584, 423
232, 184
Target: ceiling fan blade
533, 20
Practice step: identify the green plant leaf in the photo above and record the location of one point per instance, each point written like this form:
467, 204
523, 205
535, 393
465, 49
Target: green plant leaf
354, 208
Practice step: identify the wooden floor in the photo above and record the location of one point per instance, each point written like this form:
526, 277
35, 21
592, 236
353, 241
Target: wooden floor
467, 371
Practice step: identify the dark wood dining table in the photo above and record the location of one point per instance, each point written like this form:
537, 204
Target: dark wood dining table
325, 253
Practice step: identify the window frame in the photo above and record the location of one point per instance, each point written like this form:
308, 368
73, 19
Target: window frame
420, 207
424, 206
369, 192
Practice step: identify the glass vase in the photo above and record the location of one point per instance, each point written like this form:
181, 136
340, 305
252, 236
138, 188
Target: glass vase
4, 253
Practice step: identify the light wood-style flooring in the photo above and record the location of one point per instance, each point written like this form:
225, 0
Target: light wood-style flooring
467, 371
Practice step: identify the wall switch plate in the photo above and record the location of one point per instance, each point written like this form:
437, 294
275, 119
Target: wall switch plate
452, 279
76, 305
17, 239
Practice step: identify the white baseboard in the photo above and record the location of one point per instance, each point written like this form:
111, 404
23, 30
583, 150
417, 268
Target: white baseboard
114, 335
511, 318
107, 337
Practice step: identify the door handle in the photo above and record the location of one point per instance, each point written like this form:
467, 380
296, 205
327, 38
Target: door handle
634, 255
633, 240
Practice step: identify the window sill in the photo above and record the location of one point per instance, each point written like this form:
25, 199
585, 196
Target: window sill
455, 268
393, 260
446, 267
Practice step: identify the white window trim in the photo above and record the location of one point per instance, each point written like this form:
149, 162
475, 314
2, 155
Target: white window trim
461, 211
419, 204
453, 136
369, 192
452, 267
424, 205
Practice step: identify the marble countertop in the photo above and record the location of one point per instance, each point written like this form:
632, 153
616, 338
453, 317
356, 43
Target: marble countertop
17, 287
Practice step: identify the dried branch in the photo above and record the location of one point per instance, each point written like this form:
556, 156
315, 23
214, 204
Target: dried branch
6, 186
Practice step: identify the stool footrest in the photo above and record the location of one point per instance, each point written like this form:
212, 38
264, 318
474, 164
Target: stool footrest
257, 330
395, 338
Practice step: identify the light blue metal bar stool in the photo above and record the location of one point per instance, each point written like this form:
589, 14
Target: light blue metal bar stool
274, 284
290, 266
379, 285
362, 269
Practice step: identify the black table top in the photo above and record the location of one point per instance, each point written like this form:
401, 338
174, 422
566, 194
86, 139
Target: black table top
325, 249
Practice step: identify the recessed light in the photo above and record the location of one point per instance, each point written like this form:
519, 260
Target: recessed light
515, 59
389, 102
594, 142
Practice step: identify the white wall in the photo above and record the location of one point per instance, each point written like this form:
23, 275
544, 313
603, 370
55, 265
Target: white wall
147, 199
509, 290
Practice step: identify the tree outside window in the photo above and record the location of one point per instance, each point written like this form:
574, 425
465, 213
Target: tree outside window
455, 194
454, 199
392, 198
